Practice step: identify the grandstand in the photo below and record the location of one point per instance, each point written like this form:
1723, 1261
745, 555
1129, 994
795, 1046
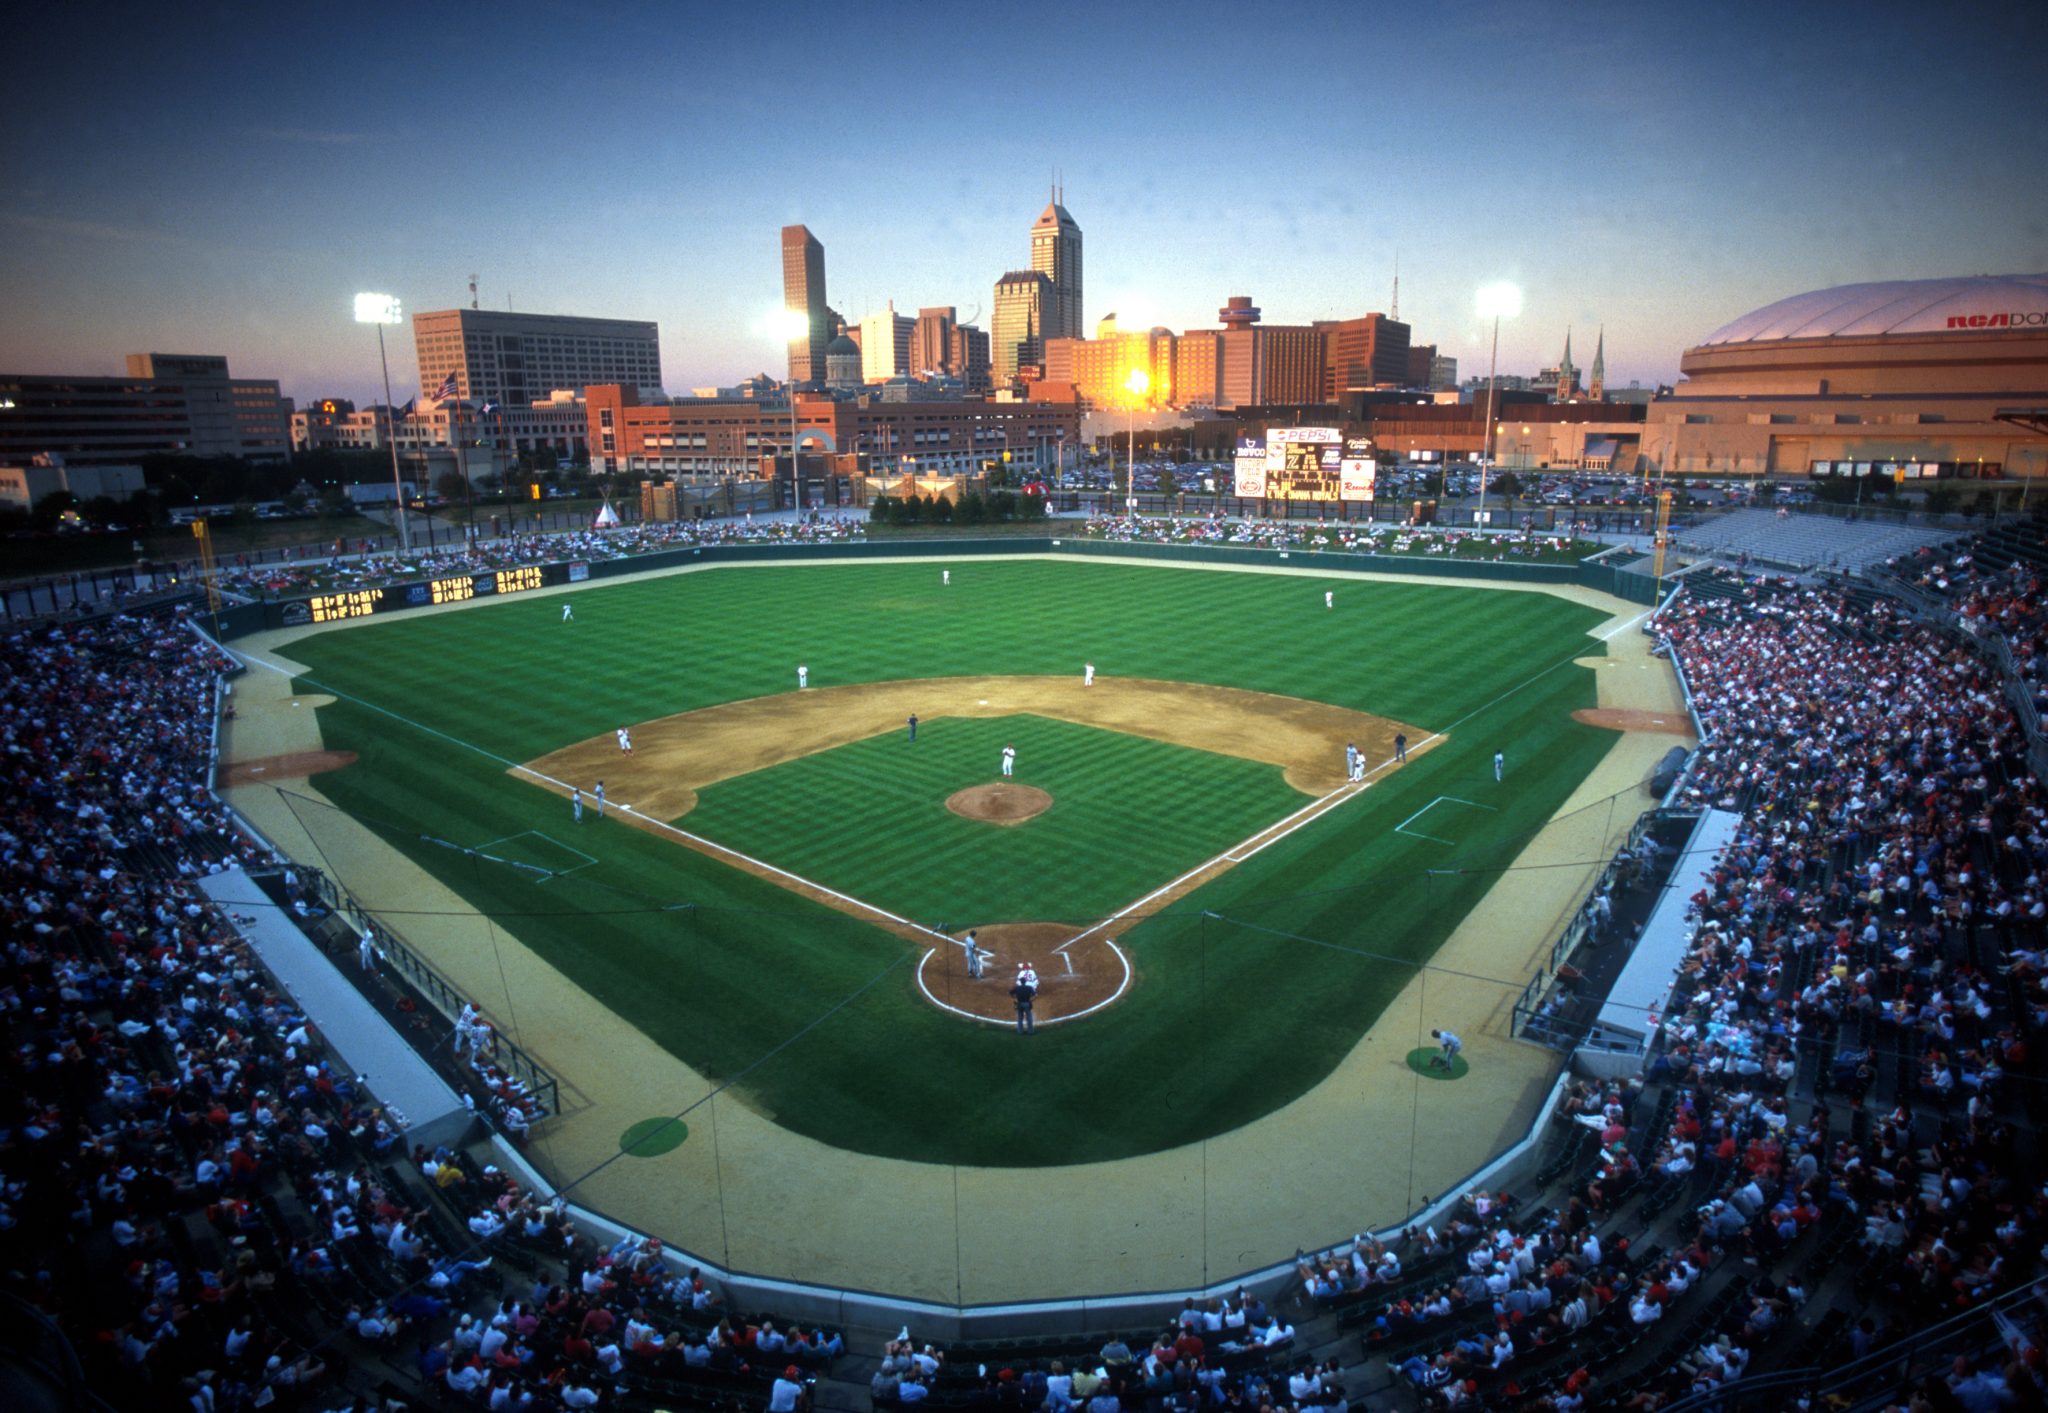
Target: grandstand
1815, 1187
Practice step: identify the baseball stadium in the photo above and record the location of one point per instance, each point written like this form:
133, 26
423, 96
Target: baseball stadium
1444, 968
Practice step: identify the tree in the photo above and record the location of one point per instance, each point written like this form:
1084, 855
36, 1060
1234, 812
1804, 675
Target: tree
882, 509
50, 509
941, 510
452, 485
1032, 507
973, 509
913, 510
1002, 505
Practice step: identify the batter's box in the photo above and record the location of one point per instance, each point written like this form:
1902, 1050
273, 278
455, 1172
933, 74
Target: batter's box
535, 853
1402, 827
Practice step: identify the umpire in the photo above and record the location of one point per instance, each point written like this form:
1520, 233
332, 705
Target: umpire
1024, 994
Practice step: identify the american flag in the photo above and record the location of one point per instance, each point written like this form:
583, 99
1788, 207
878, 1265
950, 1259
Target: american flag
447, 389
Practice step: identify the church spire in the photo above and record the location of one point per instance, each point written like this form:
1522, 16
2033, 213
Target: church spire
1567, 376
1598, 389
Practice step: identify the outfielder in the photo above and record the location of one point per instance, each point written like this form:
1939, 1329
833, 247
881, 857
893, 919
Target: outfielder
945, 576
568, 613
1500, 765
1329, 598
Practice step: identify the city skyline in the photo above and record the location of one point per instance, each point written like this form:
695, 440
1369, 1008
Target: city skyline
197, 182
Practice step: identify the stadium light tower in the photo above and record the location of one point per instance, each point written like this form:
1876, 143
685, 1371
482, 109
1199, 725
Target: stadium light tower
1138, 384
793, 324
1501, 300
382, 309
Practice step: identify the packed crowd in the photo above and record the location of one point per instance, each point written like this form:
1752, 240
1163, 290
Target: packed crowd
372, 569
1351, 537
1996, 594
191, 1188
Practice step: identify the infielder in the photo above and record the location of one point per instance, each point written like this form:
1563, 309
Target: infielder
803, 676
1401, 749
1087, 674
1009, 760
625, 741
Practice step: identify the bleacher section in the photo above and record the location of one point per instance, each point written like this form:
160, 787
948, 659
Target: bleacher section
1806, 542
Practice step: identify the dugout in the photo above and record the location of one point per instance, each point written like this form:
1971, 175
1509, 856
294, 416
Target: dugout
1623, 1033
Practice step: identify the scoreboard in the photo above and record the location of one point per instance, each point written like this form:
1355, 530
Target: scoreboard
334, 608
1306, 463
455, 588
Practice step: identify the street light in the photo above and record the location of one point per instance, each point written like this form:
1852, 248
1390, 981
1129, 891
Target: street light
382, 309
1138, 384
793, 324
1501, 300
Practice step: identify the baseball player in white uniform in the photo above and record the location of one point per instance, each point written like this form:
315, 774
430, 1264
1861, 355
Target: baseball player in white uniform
1009, 760
568, 614
945, 576
1027, 975
803, 676
1329, 598
625, 741
1087, 674
975, 956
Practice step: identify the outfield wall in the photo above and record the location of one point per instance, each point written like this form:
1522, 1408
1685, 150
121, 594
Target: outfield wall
245, 619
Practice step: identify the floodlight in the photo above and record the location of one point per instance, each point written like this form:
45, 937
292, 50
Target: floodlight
378, 309
1500, 300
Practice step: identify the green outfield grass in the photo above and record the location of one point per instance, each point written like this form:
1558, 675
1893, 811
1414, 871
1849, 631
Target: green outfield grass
870, 819
1232, 1015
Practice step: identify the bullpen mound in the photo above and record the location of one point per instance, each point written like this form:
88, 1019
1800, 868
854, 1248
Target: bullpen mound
999, 804
296, 766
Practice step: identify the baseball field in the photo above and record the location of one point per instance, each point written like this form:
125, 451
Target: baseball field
778, 889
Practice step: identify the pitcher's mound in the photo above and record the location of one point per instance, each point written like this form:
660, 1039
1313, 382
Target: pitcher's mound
999, 804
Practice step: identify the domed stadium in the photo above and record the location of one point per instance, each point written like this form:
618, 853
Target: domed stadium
1900, 379
1895, 308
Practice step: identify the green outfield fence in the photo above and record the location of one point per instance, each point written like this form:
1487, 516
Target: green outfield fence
244, 619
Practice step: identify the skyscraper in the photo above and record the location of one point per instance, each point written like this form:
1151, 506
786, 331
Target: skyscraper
1056, 254
931, 348
885, 345
803, 290
1017, 327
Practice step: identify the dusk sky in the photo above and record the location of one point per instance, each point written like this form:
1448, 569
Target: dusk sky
223, 178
